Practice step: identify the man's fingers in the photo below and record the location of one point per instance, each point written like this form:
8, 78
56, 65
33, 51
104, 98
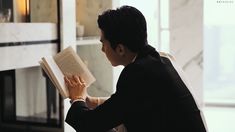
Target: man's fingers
67, 81
81, 79
74, 80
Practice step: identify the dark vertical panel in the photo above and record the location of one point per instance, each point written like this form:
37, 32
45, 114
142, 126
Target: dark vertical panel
51, 98
61, 103
7, 84
0, 4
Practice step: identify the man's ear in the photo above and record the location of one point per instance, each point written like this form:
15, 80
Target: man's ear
120, 49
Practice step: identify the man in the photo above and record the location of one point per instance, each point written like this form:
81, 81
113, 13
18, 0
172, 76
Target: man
150, 94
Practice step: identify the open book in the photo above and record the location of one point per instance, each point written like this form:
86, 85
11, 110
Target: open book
65, 62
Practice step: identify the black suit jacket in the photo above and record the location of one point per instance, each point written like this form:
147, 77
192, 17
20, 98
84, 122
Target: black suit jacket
150, 97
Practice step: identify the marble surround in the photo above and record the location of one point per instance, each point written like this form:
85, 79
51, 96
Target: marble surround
22, 56
15, 57
21, 32
186, 40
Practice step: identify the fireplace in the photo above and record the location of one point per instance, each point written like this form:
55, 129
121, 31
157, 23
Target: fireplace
29, 104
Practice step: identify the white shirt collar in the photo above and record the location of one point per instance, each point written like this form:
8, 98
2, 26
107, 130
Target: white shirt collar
134, 58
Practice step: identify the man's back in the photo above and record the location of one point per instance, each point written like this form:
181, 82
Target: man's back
158, 98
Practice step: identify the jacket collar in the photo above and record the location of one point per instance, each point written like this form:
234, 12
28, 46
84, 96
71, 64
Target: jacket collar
148, 50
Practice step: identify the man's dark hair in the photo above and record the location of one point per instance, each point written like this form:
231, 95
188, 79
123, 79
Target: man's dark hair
125, 25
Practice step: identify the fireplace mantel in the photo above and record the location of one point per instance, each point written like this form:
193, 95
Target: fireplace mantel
23, 44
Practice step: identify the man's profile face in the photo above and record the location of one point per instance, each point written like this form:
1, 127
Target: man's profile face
111, 54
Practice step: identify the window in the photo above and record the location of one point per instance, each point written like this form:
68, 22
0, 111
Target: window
219, 64
219, 52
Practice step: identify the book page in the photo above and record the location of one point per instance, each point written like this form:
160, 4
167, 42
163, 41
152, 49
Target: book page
70, 63
47, 72
55, 75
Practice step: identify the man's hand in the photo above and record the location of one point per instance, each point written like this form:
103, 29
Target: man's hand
76, 87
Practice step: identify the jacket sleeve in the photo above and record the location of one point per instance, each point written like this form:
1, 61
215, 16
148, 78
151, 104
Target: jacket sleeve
103, 118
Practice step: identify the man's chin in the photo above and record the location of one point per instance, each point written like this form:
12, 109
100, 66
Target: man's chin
115, 65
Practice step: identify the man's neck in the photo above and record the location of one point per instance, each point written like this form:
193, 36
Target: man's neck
130, 58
